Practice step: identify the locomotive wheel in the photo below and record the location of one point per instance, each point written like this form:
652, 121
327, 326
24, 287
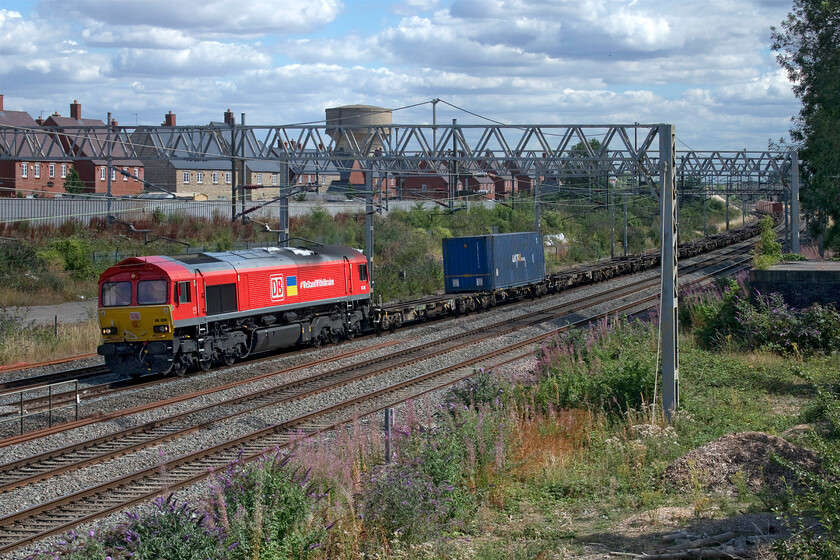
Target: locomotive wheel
179, 368
350, 332
229, 358
317, 340
204, 365
334, 337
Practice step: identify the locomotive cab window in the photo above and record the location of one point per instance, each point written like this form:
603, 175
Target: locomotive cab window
363, 272
115, 294
151, 292
182, 292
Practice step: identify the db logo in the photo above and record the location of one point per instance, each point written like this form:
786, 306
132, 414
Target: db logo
276, 285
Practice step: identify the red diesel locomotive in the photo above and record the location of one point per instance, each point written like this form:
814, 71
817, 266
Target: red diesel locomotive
167, 314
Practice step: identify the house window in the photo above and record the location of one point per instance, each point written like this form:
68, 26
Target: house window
63, 170
125, 175
274, 179
24, 170
215, 177
136, 172
37, 170
52, 170
102, 173
423, 187
323, 180
227, 177
186, 177
259, 178
113, 174
199, 177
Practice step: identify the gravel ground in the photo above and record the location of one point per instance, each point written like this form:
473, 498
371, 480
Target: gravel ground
221, 432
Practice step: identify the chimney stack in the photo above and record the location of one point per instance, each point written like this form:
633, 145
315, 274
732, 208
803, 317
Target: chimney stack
40, 121
114, 122
75, 110
169, 119
229, 120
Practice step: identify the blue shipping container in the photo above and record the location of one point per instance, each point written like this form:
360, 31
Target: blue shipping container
490, 262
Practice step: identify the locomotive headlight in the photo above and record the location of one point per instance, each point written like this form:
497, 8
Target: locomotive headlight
161, 328
109, 331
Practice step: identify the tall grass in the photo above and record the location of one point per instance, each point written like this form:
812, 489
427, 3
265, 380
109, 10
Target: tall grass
25, 341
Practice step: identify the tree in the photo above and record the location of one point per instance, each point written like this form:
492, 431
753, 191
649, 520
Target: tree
73, 184
808, 47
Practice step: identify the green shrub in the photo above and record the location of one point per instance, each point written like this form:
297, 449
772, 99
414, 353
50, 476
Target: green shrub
401, 499
767, 251
170, 532
266, 510
609, 367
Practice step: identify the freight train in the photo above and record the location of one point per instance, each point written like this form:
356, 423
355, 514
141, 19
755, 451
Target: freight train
164, 314
769, 207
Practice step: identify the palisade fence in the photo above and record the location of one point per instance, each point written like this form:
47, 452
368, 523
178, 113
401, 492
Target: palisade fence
56, 211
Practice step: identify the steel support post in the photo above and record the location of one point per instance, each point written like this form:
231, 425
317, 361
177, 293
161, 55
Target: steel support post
110, 169
668, 298
786, 206
283, 235
369, 223
728, 186
389, 416
537, 205
794, 201
611, 202
242, 165
232, 170
625, 224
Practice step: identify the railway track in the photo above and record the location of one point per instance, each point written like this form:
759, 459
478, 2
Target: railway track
62, 514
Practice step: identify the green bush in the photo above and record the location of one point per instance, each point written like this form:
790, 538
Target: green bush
609, 367
266, 510
400, 499
169, 532
73, 255
767, 251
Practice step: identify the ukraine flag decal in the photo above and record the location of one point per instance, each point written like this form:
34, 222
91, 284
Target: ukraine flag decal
291, 285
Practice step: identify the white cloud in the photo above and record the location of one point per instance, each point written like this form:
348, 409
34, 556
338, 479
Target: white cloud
208, 58
207, 17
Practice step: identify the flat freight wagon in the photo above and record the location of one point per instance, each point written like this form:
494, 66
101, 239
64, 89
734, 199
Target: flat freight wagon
492, 262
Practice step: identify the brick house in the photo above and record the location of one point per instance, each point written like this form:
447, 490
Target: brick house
39, 170
468, 182
212, 175
80, 140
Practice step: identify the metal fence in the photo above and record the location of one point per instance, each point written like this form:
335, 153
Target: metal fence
56, 211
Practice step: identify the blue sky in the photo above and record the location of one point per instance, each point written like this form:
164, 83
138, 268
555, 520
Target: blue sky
703, 66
